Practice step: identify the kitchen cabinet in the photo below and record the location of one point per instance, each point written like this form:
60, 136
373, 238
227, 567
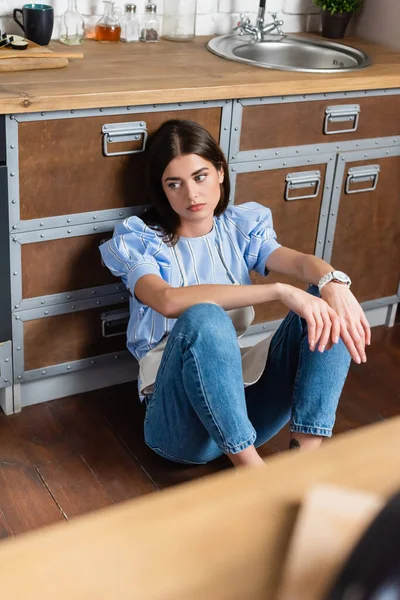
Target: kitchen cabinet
327, 165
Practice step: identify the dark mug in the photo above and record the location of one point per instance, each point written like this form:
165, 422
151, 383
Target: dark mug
37, 22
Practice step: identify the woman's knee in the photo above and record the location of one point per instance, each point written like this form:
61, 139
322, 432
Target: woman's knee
207, 318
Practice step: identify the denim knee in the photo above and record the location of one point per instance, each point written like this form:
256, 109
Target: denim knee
207, 318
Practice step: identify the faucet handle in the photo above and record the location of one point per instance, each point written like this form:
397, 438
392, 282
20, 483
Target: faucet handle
243, 25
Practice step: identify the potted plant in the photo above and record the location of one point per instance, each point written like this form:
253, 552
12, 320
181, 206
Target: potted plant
336, 15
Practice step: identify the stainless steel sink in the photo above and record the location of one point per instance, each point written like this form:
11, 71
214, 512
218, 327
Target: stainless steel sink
290, 53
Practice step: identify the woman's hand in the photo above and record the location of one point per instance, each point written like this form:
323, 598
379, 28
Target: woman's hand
354, 327
323, 322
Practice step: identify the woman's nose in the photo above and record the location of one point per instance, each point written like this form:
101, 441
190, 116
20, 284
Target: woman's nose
192, 191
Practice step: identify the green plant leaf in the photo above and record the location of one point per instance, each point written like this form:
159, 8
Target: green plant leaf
339, 6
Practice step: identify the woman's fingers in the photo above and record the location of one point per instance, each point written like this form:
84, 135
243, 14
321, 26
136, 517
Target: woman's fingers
311, 327
349, 343
326, 332
366, 327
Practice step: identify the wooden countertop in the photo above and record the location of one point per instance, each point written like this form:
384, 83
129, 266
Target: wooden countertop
222, 537
135, 74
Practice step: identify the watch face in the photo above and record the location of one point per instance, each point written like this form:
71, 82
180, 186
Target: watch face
340, 276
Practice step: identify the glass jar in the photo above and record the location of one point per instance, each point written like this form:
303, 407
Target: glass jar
179, 20
150, 25
108, 28
130, 24
72, 25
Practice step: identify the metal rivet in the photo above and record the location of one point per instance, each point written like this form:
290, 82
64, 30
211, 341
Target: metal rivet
225, 129
14, 227
342, 157
68, 297
284, 164
276, 153
328, 187
330, 241
68, 368
41, 224
14, 239
232, 169
259, 166
42, 302
110, 139
204, 101
101, 109
376, 142
19, 377
19, 348
118, 287
319, 242
283, 97
387, 152
12, 146
309, 160
98, 302
338, 146
12, 174
95, 228
6, 360
12, 117
337, 187
13, 201
357, 144
323, 214
95, 217
318, 149
123, 297
5, 380
365, 154
17, 318
72, 111
42, 113
333, 214
331, 158
43, 372
262, 99
236, 128
16, 306
68, 220
68, 231
297, 151
92, 362
93, 292
256, 155
227, 101
42, 235
154, 105
73, 306
15, 273
128, 108
46, 312
116, 357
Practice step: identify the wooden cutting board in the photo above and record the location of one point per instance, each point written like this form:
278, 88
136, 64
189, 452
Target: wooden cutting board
34, 57
330, 523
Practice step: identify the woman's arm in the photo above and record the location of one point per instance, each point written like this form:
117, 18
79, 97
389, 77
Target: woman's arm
354, 327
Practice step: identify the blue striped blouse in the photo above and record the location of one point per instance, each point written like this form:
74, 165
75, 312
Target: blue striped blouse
241, 240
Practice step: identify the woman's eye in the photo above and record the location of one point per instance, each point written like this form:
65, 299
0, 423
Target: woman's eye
174, 186
200, 177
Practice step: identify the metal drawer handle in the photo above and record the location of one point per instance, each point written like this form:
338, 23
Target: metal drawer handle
114, 322
339, 114
115, 133
304, 179
360, 174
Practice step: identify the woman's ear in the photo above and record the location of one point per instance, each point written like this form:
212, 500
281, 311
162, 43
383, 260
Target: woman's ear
221, 175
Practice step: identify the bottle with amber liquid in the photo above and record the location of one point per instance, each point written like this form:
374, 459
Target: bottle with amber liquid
108, 29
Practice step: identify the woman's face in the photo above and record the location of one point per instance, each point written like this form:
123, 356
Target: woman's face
192, 186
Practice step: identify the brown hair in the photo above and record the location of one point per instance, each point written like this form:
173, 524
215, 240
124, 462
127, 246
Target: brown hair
175, 138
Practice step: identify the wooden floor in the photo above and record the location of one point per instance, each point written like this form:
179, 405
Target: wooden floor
71, 456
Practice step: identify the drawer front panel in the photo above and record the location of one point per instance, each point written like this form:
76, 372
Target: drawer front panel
296, 222
366, 242
63, 169
63, 265
67, 337
303, 123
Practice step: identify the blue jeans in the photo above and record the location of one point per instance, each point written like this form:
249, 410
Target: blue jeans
200, 409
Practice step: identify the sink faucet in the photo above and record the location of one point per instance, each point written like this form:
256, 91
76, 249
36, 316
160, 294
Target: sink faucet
259, 31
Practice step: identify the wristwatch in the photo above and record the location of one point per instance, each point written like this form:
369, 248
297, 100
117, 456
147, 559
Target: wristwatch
337, 276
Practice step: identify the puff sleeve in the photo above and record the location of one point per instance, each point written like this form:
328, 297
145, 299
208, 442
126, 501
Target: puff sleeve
258, 236
133, 251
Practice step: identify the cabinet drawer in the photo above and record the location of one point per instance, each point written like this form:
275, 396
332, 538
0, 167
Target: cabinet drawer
63, 265
299, 223
63, 338
284, 124
364, 240
64, 170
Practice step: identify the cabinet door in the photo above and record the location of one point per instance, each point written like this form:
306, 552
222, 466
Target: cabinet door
364, 229
63, 168
299, 211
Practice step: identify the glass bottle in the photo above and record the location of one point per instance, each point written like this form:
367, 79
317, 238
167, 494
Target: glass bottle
108, 28
179, 20
151, 25
72, 25
130, 24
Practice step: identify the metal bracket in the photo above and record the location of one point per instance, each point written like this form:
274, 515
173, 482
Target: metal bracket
303, 179
114, 322
116, 133
361, 174
342, 113
6, 375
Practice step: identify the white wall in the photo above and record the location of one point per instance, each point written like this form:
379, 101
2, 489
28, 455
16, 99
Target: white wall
380, 22
213, 16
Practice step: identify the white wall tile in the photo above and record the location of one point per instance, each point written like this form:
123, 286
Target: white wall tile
213, 16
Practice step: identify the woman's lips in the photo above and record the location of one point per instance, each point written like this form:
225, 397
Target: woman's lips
196, 207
